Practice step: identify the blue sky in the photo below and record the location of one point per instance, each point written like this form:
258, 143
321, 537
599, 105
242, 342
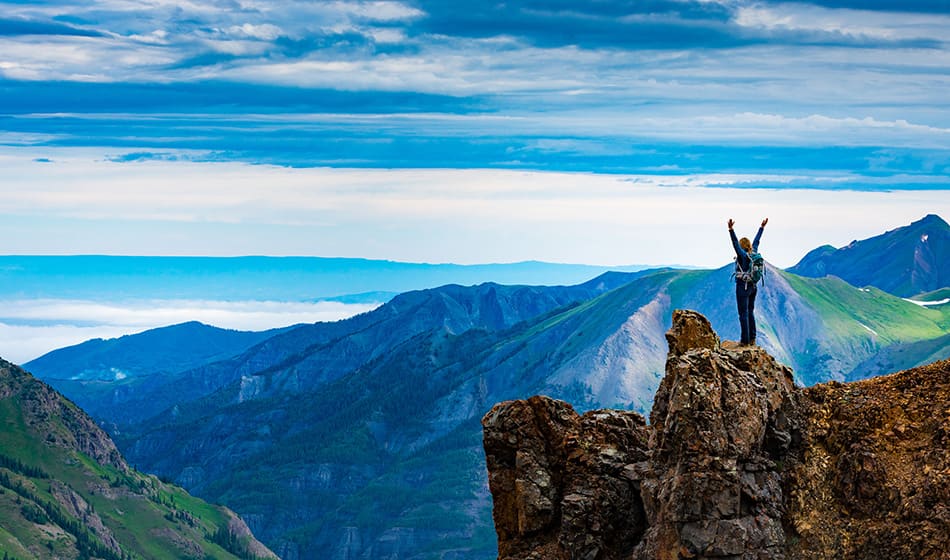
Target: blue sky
600, 132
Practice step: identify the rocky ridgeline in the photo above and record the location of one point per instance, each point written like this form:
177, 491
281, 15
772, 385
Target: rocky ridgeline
736, 463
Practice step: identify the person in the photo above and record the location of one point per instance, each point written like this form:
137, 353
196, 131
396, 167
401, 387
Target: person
745, 290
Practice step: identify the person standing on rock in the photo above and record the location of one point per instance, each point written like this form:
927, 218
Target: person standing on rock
745, 285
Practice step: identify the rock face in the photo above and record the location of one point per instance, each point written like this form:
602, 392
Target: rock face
559, 480
736, 463
872, 476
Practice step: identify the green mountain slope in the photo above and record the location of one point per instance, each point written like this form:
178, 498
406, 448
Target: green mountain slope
66, 492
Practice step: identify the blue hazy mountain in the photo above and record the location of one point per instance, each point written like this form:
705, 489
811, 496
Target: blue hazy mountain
165, 350
907, 261
258, 278
316, 351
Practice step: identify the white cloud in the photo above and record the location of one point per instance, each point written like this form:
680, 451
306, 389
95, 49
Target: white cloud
30, 328
377, 11
99, 59
264, 31
859, 24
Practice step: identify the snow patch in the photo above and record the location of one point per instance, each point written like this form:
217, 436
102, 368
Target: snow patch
929, 303
870, 330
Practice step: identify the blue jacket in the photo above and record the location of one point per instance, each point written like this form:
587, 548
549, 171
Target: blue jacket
742, 257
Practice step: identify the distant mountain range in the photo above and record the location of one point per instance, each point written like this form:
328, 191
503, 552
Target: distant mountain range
318, 351
906, 261
66, 492
361, 438
116, 278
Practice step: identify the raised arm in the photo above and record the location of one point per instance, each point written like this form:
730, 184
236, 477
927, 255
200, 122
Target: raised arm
758, 236
735, 240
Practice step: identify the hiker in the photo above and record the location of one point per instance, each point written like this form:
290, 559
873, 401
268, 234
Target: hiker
746, 279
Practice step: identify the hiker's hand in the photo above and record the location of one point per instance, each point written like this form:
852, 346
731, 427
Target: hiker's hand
765, 221
731, 223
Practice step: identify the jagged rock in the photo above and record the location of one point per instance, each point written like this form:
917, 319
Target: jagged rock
737, 463
712, 489
690, 331
559, 480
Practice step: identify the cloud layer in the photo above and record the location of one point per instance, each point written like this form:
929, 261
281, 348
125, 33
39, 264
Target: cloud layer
414, 83
127, 126
29, 328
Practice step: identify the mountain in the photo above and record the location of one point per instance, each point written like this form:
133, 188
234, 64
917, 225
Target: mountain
906, 261
98, 373
366, 442
361, 439
317, 352
737, 462
157, 351
66, 492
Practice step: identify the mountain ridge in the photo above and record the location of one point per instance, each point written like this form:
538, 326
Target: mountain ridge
454, 307
922, 264
66, 491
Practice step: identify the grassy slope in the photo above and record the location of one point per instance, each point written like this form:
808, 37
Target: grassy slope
865, 330
936, 295
845, 308
148, 518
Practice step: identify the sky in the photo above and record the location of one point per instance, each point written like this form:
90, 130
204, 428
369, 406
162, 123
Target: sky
601, 132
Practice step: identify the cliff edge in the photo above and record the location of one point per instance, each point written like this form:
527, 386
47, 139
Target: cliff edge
737, 462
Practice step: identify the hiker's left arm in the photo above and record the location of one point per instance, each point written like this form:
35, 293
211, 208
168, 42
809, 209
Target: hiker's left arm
758, 236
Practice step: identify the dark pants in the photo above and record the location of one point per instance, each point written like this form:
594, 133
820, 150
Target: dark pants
745, 300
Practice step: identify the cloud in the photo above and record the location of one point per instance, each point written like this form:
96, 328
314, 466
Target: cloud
30, 328
898, 6
264, 31
859, 26
654, 24
801, 93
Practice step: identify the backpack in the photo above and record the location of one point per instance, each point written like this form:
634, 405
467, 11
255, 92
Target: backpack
756, 272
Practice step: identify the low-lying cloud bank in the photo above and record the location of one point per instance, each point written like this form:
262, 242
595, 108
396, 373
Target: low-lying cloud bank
30, 328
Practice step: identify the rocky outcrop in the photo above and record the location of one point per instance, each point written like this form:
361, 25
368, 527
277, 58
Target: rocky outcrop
559, 482
736, 463
871, 478
63, 423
